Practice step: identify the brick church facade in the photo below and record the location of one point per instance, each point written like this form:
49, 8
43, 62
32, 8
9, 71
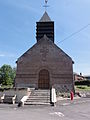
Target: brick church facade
45, 65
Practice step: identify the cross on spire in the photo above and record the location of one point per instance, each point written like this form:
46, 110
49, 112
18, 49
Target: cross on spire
46, 2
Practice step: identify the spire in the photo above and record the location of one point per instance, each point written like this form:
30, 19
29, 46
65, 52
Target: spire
45, 26
45, 18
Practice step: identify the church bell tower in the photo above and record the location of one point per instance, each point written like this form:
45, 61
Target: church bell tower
45, 27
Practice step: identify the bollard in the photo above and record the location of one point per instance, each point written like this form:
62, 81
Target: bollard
20, 104
71, 95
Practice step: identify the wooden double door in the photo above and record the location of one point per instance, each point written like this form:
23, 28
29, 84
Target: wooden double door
44, 79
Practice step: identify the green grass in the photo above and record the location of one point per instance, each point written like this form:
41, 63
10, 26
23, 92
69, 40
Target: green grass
6, 86
82, 87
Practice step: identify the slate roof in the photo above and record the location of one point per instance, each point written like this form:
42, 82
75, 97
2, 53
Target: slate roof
45, 18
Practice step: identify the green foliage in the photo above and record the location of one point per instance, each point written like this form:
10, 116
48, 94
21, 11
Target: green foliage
82, 87
84, 82
7, 75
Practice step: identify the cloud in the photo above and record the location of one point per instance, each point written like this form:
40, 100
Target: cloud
2, 55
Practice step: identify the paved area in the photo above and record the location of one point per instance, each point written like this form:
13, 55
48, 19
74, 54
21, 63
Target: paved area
78, 109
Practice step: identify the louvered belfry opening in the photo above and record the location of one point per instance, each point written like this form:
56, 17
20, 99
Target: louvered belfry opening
45, 27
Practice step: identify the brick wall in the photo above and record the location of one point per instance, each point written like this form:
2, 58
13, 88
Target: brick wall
45, 55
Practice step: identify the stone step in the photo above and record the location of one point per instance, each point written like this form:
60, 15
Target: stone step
42, 97
36, 103
42, 101
39, 96
38, 99
42, 92
45, 98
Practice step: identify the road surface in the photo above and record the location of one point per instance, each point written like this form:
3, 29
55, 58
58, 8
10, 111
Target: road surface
64, 110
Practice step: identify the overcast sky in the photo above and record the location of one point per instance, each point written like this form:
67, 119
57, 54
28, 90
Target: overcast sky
18, 29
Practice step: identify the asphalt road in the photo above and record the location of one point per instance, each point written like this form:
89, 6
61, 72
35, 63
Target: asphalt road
64, 110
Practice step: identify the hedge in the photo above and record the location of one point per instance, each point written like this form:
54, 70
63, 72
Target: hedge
84, 82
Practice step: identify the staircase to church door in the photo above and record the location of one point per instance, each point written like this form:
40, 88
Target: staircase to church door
38, 97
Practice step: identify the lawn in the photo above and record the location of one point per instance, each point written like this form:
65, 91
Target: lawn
82, 88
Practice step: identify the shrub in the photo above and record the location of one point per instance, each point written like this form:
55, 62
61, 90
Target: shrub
84, 82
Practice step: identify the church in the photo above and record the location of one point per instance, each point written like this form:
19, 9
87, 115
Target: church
45, 65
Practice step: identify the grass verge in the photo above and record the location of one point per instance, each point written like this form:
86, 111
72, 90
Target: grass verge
82, 88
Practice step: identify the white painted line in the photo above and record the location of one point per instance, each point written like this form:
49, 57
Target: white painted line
15, 108
66, 103
58, 114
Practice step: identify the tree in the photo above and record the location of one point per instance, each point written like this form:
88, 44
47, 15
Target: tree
7, 75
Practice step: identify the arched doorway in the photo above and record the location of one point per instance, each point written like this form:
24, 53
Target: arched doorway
43, 82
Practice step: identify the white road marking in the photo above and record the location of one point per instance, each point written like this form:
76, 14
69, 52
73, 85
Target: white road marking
58, 114
15, 108
66, 103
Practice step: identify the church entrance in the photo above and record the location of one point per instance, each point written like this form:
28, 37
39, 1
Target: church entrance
43, 82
